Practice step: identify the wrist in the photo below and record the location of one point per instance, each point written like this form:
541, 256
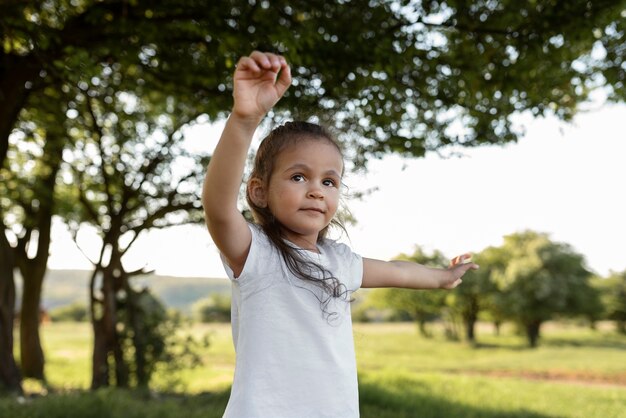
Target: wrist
245, 119
446, 278
245, 122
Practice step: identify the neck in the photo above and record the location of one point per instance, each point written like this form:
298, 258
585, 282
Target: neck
305, 243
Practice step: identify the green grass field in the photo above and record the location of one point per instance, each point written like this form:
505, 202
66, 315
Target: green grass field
576, 372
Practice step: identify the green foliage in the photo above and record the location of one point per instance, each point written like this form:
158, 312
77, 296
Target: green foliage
76, 312
215, 308
613, 291
395, 76
128, 167
541, 279
476, 293
420, 305
371, 305
529, 279
103, 77
152, 339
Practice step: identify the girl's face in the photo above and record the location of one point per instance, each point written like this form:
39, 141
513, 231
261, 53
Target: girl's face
303, 190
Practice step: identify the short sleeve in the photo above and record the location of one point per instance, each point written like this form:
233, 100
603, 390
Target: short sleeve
252, 260
349, 265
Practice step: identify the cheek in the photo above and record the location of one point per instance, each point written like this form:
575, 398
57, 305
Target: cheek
333, 200
283, 193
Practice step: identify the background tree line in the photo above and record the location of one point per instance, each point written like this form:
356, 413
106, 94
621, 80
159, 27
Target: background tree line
528, 280
95, 97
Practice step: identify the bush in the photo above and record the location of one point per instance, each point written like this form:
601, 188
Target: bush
75, 312
215, 308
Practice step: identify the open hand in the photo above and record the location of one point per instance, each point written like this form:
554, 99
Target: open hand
458, 267
260, 80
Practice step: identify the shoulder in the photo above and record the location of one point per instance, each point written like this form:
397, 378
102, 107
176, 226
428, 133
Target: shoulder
259, 257
258, 234
260, 241
336, 247
341, 255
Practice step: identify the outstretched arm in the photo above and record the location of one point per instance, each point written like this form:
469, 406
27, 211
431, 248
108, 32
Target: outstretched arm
260, 80
409, 275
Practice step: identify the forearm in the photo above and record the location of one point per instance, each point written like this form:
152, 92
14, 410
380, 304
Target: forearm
417, 276
225, 170
403, 274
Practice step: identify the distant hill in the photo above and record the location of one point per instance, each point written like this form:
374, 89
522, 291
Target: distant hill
62, 287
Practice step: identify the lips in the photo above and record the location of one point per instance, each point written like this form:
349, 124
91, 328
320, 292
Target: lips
318, 210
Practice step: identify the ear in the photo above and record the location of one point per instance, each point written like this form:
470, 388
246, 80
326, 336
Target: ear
256, 191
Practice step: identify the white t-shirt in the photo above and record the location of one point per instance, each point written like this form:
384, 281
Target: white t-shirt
292, 361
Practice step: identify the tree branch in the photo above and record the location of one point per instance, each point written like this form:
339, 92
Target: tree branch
105, 176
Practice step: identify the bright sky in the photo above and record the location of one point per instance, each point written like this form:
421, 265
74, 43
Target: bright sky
563, 179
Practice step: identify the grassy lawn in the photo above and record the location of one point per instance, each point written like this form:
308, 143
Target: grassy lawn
576, 372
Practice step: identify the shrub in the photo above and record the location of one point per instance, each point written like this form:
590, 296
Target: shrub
75, 312
215, 308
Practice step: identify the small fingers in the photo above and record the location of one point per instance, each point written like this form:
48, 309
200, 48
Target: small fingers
464, 258
465, 267
284, 79
268, 60
248, 64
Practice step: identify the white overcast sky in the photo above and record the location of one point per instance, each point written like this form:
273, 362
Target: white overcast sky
565, 179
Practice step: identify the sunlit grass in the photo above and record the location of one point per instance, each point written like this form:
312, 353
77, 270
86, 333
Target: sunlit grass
575, 372
567, 348
391, 393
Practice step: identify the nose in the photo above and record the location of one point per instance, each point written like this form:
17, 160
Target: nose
315, 193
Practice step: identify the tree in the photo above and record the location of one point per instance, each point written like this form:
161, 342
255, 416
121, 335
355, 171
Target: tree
613, 291
401, 77
422, 306
477, 291
35, 158
130, 173
541, 279
10, 377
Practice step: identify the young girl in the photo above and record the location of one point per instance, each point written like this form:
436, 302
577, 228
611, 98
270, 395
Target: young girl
291, 286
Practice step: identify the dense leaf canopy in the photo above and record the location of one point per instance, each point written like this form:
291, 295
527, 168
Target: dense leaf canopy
401, 76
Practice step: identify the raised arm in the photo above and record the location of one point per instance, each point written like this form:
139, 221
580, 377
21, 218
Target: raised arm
409, 275
260, 80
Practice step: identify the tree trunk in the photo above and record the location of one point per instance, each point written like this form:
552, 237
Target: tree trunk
496, 327
100, 363
108, 321
14, 73
139, 338
470, 323
108, 352
31, 353
115, 277
34, 269
10, 378
421, 323
532, 332
469, 318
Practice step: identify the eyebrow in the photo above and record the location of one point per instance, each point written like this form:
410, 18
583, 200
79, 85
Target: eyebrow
300, 166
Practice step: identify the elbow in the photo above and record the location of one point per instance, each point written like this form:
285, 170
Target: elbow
212, 216
212, 210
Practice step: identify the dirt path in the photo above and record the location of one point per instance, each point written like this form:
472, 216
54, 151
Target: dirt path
572, 377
